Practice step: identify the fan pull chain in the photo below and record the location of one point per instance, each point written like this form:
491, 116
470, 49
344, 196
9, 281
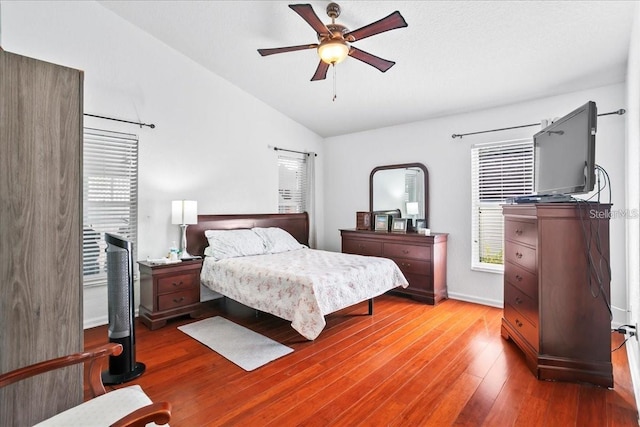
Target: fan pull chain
334, 83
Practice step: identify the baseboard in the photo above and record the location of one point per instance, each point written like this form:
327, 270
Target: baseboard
632, 357
476, 300
96, 321
99, 321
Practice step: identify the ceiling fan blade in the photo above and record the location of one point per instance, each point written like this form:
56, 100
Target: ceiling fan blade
321, 71
391, 22
375, 61
307, 13
265, 52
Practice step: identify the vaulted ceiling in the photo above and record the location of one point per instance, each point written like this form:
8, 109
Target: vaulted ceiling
454, 56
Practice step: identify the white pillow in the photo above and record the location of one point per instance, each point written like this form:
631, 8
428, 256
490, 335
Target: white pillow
233, 243
277, 240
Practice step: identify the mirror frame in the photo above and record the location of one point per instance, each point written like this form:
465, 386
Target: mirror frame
403, 166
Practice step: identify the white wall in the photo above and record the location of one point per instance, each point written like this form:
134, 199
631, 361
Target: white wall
448, 160
210, 143
633, 195
208, 130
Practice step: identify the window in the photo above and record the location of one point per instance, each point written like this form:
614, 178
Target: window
498, 171
110, 197
292, 183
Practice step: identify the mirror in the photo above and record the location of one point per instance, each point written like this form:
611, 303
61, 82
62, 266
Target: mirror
404, 187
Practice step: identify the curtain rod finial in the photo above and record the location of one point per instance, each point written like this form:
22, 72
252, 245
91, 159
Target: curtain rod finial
455, 135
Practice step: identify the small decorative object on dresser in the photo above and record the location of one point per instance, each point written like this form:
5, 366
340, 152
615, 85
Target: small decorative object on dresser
399, 225
382, 222
363, 220
420, 224
168, 291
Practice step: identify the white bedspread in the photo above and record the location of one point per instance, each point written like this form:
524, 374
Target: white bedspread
302, 285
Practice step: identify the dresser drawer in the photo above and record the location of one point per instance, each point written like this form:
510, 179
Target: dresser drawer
396, 250
419, 284
521, 302
521, 231
521, 255
362, 247
412, 266
522, 279
176, 283
178, 299
525, 328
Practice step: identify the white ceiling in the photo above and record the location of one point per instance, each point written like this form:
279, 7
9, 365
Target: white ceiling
454, 56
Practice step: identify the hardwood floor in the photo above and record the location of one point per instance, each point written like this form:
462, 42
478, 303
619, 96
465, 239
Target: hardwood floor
409, 364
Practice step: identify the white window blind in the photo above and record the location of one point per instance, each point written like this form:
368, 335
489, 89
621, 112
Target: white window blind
498, 171
292, 182
411, 186
110, 197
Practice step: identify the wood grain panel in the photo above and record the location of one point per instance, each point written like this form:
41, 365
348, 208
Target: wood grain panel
40, 267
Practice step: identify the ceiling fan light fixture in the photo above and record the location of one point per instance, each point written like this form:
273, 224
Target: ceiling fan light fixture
333, 51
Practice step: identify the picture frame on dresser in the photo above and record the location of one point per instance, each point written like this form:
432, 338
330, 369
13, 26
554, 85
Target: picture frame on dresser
399, 225
363, 220
381, 222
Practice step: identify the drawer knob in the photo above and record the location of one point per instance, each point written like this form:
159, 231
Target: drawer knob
518, 232
405, 264
518, 255
518, 300
518, 278
177, 284
360, 246
178, 300
519, 323
405, 251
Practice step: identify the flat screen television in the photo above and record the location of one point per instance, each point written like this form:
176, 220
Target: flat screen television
564, 153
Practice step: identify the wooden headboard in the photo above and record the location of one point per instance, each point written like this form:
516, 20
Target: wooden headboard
296, 224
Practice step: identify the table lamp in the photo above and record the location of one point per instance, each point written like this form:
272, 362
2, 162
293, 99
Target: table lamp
184, 212
413, 209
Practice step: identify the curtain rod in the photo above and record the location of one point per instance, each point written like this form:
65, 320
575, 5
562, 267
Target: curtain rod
152, 126
460, 135
291, 151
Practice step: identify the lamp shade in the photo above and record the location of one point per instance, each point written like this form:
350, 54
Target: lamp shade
333, 51
413, 208
184, 212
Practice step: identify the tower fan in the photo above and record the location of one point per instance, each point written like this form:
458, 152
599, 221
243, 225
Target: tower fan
124, 367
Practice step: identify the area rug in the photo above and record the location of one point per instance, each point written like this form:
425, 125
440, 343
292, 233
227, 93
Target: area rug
240, 345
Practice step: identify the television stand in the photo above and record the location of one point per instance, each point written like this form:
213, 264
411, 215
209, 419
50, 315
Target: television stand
543, 198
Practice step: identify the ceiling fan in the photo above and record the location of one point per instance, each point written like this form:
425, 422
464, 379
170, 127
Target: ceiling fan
334, 40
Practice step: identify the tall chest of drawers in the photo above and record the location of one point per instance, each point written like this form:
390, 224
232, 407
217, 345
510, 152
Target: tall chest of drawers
422, 259
556, 289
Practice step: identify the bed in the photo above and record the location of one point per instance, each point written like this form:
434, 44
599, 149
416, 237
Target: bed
284, 277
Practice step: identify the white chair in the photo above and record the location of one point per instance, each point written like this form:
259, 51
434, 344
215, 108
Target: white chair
127, 406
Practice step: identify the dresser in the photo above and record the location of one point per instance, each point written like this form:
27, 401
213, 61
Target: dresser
555, 307
422, 259
168, 291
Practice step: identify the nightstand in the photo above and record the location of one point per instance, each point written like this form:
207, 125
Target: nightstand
168, 291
